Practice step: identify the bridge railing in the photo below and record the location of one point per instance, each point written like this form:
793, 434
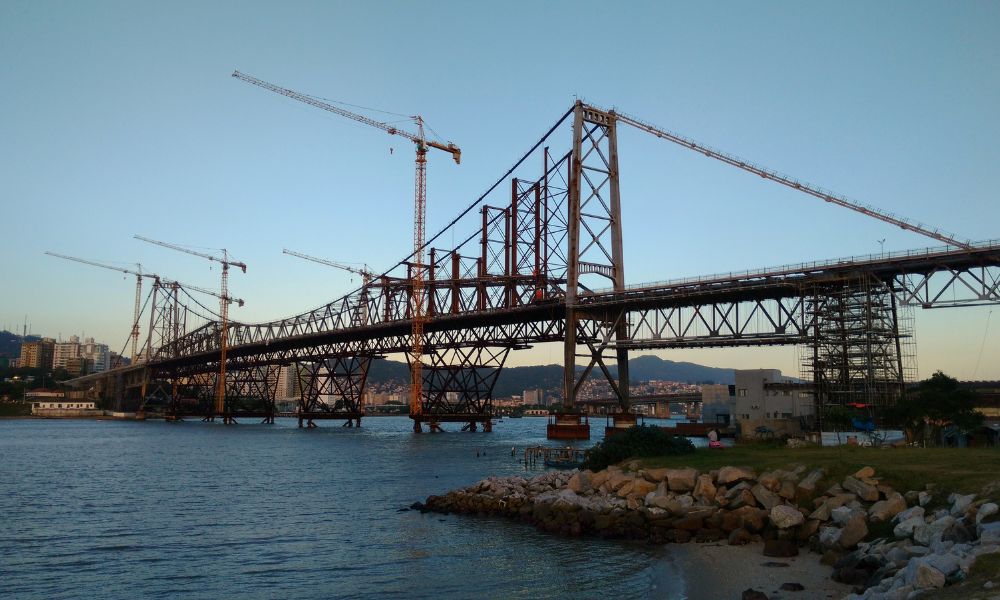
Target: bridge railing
804, 267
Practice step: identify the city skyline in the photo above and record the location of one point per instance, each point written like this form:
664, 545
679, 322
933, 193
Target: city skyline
160, 141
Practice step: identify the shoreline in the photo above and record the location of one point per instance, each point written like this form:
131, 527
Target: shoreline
700, 565
749, 528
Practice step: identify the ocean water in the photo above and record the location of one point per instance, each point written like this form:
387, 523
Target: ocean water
117, 509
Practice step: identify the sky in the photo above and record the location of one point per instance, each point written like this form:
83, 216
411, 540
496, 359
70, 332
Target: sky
121, 118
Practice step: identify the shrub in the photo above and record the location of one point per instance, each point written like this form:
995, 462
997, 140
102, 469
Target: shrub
639, 441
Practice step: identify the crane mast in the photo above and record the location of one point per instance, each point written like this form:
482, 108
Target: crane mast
220, 395
418, 317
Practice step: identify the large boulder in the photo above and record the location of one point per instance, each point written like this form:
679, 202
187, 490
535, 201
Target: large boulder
989, 533
867, 492
681, 480
580, 482
771, 480
887, 509
986, 510
729, 475
905, 528
616, 479
655, 475
853, 532
704, 489
906, 515
765, 497
822, 513
838, 500
641, 487
865, 473
667, 503
784, 516
921, 575
829, 537
842, 515
925, 534
961, 504
807, 487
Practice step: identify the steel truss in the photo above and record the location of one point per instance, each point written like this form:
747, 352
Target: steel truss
529, 274
333, 388
458, 385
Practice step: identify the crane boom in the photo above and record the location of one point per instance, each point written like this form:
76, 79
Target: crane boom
419, 217
456, 153
224, 260
797, 185
138, 291
365, 273
194, 288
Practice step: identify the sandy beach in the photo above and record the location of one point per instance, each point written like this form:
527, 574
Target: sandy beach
718, 571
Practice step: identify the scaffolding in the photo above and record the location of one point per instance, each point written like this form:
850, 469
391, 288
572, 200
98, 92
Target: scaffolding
862, 352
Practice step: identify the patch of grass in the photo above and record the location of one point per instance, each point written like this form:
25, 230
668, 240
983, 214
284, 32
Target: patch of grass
965, 470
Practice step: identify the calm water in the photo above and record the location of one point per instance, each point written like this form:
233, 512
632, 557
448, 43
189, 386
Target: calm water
106, 509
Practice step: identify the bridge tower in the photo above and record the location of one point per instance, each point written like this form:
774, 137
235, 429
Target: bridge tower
594, 237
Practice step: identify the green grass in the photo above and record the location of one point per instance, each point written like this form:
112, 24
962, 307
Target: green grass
966, 470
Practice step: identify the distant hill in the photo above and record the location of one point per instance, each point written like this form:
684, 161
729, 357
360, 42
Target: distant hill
514, 380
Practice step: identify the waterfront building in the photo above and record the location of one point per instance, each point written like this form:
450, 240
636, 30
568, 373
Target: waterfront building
765, 394
718, 403
53, 403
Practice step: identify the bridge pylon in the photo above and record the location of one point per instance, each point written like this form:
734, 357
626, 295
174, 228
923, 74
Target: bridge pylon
594, 238
333, 388
458, 386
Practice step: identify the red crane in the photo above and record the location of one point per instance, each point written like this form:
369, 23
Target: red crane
419, 214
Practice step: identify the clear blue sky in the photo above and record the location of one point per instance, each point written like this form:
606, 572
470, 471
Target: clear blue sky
119, 118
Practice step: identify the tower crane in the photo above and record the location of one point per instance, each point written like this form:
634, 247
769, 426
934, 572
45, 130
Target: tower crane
227, 299
138, 290
364, 272
220, 396
419, 214
139, 275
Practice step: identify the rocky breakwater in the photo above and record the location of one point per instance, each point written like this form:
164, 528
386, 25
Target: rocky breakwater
926, 550
784, 509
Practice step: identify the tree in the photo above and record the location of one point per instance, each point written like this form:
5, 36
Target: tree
938, 402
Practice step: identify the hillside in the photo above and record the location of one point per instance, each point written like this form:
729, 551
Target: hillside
514, 380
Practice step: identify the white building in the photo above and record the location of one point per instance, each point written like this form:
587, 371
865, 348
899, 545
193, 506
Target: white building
767, 394
65, 351
533, 397
99, 355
